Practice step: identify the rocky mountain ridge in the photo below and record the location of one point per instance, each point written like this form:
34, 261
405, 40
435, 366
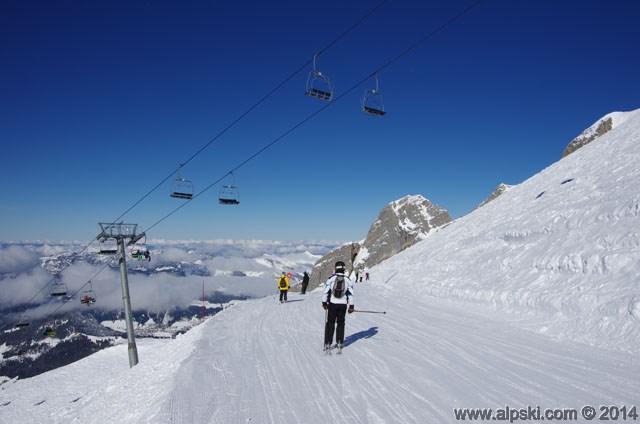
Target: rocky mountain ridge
400, 224
597, 129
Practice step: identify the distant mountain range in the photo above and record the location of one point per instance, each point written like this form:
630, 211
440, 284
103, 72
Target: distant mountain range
57, 331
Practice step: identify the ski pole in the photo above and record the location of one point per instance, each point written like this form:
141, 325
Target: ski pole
370, 312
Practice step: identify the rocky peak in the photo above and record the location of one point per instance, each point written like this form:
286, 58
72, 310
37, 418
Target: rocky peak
400, 224
498, 191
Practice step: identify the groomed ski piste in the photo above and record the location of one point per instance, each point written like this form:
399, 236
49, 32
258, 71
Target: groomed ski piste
532, 300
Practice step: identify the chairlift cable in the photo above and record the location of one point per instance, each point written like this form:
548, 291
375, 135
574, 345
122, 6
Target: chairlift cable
352, 27
254, 106
228, 127
279, 138
428, 36
81, 287
71, 296
321, 109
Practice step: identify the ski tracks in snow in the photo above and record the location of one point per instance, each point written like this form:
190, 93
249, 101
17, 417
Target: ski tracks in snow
262, 362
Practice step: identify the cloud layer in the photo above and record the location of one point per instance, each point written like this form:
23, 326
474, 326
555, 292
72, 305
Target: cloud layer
173, 278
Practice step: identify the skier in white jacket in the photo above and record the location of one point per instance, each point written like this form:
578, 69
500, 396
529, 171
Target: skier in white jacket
337, 294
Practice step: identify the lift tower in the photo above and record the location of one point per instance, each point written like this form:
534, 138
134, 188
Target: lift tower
120, 233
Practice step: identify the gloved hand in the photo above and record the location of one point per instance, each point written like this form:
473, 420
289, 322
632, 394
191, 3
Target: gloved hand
325, 306
351, 309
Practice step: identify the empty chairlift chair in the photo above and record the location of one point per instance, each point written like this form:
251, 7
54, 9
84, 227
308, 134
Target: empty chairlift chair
372, 101
59, 289
23, 321
182, 188
108, 247
318, 84
229, 194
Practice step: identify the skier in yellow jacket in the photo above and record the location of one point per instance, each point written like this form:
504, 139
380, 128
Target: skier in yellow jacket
283, 285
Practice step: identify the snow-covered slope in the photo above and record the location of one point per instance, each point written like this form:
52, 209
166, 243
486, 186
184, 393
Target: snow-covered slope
262, 362
563, 247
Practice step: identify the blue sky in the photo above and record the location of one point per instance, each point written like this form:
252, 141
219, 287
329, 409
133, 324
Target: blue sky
101, 100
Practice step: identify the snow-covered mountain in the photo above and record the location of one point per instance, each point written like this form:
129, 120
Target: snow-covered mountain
400, 224
529, 303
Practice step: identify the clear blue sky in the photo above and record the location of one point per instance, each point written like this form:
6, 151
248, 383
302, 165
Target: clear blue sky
99, 101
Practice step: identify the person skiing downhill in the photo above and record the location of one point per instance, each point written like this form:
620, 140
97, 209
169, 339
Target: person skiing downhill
283, 286
337, 295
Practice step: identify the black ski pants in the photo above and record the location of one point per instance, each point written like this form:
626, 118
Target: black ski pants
283, 295
335, 314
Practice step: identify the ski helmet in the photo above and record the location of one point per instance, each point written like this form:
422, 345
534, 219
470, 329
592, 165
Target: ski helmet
340, 267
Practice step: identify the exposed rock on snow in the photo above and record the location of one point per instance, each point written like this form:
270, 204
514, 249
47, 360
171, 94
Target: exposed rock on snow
498, 191
598, 129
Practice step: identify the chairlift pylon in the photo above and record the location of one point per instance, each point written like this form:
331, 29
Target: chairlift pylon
372, 101
182, 188
318, 84
228, 194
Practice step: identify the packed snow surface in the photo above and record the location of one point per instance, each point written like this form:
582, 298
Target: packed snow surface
261, 361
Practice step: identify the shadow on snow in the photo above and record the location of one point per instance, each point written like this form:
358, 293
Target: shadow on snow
365, 334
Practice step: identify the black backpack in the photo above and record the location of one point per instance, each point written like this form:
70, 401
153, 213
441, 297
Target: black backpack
338, 288
283, 283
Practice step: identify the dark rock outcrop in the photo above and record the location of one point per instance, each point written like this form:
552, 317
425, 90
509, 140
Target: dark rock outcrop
498, 191
601, 127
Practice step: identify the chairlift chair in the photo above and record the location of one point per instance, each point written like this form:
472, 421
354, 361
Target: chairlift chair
88, 296
141, 251
372, 101
318, 84
182, 188
108, 247
23, 321
229, 193
59, 290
